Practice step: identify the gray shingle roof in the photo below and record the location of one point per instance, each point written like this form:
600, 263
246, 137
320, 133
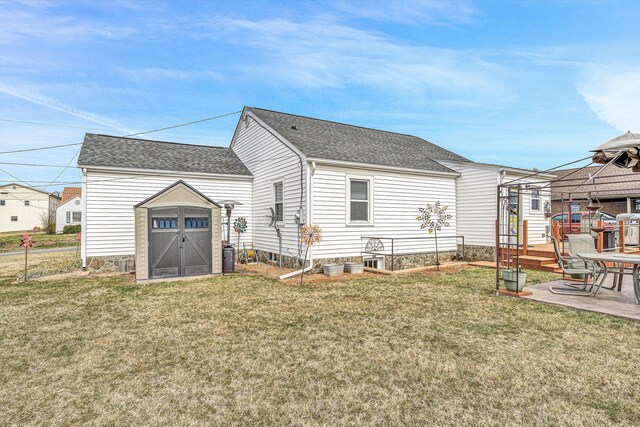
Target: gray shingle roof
121, 152
336, 141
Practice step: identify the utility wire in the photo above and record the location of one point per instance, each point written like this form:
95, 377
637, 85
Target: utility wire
184, 124
41, 148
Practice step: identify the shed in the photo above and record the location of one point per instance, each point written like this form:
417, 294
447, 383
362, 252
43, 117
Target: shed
177, 233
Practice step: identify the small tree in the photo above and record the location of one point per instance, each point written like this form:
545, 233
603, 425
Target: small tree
48, 222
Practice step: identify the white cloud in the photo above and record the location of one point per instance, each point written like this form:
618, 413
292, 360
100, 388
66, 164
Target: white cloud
613, 93
328, 54
413, 12
154, 73
54, 104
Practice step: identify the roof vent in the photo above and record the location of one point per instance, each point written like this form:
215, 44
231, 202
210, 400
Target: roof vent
294, 127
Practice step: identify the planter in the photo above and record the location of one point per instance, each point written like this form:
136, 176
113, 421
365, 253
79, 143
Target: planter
354, 267
332, 269
514, 280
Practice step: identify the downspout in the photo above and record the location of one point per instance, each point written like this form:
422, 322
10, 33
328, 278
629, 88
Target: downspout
83, 229
310, 171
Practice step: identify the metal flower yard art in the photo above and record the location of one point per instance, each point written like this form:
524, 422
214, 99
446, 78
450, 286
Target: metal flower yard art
433, 218
310, 234
26, 242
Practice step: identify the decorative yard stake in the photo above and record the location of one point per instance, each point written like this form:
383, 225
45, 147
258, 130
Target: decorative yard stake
240, 226
26, 242
310, 234
433, 218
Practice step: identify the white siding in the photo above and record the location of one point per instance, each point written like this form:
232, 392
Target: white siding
537, 220
270, 160
110, 197
28, 217
396, 199
477, 189
61, 213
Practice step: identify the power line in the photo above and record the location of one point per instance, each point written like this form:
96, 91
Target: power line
184, 124
63, 169
41, 148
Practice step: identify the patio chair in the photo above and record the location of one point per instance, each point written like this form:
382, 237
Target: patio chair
584, 243
575, 266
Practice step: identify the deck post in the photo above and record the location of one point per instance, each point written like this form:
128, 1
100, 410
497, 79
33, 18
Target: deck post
525, 236
621, 237
600, 236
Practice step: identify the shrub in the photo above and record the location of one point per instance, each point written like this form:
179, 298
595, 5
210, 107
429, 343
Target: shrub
48, 222
71, 229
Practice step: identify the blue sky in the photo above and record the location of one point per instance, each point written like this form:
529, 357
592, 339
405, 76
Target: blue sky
527, 83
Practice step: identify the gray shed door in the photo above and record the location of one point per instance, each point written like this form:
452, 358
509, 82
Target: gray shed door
179, 241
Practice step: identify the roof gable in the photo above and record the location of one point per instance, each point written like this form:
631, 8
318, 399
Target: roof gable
178, 190
132, 153
69, 193
323, 139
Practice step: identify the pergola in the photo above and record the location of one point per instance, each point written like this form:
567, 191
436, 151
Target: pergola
577, 195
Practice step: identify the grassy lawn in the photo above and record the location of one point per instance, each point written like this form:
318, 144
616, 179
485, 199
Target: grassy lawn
10, 242
417, 349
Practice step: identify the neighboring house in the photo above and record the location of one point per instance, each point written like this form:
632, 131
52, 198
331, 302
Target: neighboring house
70, 210
22, 207
618, 189
354, 182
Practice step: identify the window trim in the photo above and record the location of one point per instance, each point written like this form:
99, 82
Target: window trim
27, 203
73, 215
68, 217
3, 202
370, 201
273, 197
531, 198
14, 220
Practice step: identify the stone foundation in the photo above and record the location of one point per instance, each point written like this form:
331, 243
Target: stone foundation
118, 264
478, 253
271, 258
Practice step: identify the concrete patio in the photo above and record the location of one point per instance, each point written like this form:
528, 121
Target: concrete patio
611, 302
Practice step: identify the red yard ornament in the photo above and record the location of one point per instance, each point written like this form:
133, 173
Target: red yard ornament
26, 242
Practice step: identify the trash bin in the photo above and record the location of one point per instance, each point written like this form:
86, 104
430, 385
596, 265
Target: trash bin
228, 259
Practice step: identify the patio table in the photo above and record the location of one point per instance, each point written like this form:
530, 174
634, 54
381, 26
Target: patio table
616, 258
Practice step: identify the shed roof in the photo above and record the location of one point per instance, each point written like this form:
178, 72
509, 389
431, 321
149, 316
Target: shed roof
134, 153
324, 139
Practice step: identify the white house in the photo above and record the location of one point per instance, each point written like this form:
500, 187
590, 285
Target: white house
70, 210
22, 207
363, 187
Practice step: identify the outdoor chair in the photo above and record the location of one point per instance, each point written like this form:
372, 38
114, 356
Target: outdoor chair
575, 266
585, 244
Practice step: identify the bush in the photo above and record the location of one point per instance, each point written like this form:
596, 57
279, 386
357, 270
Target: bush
48, 222
71, 229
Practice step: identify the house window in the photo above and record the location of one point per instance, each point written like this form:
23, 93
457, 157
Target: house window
26, 203
278, 200
77, 216
68, 217
2, 202
535, 200
637, 204
359, 200
14, 219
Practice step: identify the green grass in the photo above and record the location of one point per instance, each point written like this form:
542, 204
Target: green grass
10, 242
417, 350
